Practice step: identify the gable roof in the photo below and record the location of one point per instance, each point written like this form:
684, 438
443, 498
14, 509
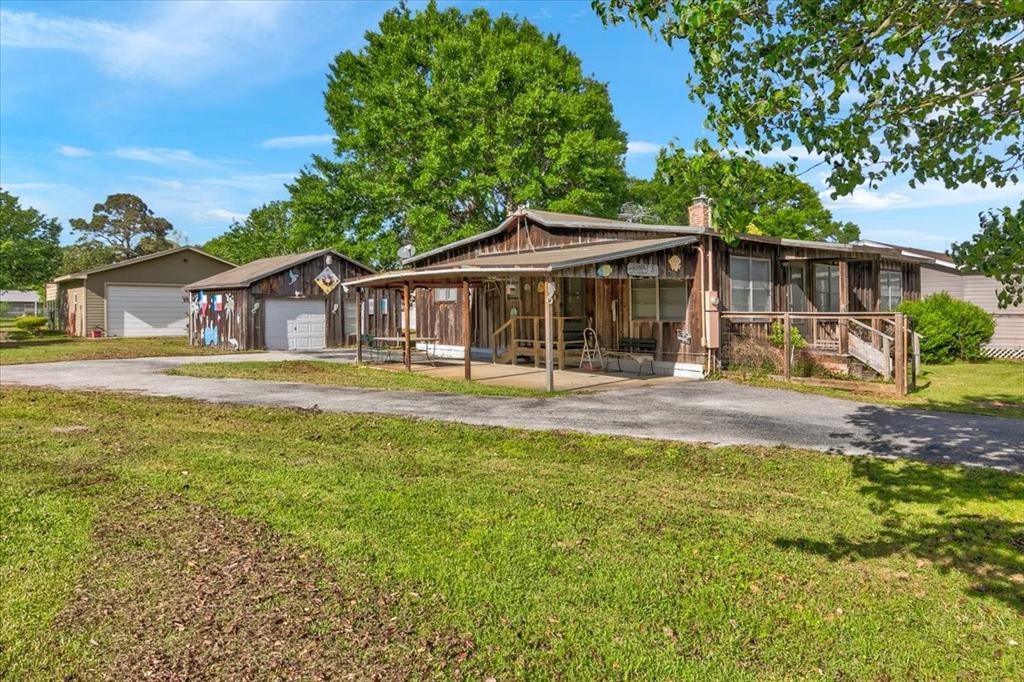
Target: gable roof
541, 261
943, 260
139, 259
244, 275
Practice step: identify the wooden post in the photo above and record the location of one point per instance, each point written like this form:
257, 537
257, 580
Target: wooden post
844, 306
536, 342
786, 346
467, 361
359, 324
549, 332
561, 343
901, 355
876, 301
406, 331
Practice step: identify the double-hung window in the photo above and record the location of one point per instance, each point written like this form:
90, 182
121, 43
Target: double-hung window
890, 284
658, 299
826, 287
751, 284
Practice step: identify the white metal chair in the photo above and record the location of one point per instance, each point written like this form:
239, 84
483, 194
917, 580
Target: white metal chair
591, 350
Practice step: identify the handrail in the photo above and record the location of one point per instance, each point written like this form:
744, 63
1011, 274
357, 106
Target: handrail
500, 329
888, 317
872, 330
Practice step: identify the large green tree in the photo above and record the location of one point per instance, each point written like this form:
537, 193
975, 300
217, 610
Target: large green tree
29, 245
445, 121
760, 199
997, 250
266, 231
125, 227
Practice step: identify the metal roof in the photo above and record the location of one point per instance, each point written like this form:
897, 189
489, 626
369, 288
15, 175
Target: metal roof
542, 261
139, 259
244, 275
16, 296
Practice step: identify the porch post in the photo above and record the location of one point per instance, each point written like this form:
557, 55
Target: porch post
787, 345
359, 324
405, 327
900, 342
549, 332
844, 305
467, 360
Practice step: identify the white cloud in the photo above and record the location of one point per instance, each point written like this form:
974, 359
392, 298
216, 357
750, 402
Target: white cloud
30, 186
73, 152
176, 43
899, 195
160, 156
642, 147
867, 200
218, 215
293, 141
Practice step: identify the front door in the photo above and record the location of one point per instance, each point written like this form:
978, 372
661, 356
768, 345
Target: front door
796, 294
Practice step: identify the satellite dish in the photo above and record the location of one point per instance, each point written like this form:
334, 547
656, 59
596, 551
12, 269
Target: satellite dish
406, 252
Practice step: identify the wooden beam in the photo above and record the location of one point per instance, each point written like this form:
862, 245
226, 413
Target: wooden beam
467, 361
406, 332
844, 305
549, 333
359, 324
786, 346
900, 344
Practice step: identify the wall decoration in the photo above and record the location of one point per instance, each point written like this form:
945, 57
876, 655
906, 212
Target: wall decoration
229, 303
334, 309
193, 304
526, 287
513, 311
327, 280
675, 262
512, 290
204, 303
218, 303
293, 276
255, 306
604, 270
233, 343
210, 335
637, 269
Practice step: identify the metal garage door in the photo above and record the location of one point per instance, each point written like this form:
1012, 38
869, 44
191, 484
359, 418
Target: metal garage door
138, 310
295, 324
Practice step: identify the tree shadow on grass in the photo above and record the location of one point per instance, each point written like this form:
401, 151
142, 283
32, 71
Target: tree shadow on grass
986, 549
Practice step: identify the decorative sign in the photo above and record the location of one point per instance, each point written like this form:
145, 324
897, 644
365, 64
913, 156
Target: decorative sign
327, 280
512, 290
635, 269
604, 270
675, 262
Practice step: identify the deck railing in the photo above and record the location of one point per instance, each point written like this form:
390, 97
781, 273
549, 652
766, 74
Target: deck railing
882, 341
524, 335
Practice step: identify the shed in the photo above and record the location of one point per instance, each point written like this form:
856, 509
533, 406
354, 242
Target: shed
141, 296
290, 302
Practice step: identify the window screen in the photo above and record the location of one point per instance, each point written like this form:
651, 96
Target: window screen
644, 299
826, 288
751, 284
672, 296
891, 285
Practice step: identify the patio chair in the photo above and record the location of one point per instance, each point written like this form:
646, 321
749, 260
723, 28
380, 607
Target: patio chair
376, 350
591, 354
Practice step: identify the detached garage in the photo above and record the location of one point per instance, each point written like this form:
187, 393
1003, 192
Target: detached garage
293, 302
138, 297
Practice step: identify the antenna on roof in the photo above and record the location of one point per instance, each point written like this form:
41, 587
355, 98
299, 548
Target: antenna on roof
406, 251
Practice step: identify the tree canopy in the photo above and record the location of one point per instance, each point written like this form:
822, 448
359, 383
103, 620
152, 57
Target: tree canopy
876, 87
445, 121
29, 245
746, 196
265, 232
997, 250
123, 227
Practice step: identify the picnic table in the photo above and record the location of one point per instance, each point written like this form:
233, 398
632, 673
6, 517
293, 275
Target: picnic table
429, 344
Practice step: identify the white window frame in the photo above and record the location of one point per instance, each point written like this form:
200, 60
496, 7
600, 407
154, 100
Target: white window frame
885, 285
446, 295
750, 289
657, 301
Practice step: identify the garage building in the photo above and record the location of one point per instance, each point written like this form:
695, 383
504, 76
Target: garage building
141, 296
291, 302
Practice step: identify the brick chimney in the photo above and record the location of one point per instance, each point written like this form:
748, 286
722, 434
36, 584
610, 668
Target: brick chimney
700, 212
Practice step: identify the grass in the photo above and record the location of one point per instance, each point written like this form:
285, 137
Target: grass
344, 374
989, 387
523, 554
57, 347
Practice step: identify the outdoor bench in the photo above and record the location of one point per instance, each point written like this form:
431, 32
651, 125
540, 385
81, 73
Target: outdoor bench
639, 350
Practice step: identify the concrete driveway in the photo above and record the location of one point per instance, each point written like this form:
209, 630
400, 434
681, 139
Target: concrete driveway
713, 411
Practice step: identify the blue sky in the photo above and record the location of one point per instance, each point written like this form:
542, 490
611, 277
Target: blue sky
206, 109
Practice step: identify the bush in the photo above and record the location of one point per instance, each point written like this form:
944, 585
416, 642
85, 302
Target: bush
30, 323
950, 329
777, 335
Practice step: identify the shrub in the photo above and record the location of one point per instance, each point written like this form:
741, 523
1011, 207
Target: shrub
30, 323
950, 329
752, 355
777, 335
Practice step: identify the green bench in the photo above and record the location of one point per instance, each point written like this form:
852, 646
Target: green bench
639, 350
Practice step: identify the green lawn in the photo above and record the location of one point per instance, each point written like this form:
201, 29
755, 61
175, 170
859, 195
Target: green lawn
343, 374
57, 347
991, 387
135, 530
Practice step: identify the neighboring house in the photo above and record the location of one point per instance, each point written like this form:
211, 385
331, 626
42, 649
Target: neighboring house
137, 297
680, 292
939, 273
15, 303
291, 302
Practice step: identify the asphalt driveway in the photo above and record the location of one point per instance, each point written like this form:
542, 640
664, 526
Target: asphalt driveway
713, 411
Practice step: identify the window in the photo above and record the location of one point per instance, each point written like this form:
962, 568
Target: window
447, 295
826, 288
751, 284
890, 284
796, 291
658, 299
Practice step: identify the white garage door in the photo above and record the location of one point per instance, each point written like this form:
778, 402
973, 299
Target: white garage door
137, 310
295, 324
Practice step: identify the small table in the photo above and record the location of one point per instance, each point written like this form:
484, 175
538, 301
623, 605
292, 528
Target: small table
428, 341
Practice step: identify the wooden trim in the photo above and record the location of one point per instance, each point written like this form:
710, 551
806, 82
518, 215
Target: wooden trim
467, 361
